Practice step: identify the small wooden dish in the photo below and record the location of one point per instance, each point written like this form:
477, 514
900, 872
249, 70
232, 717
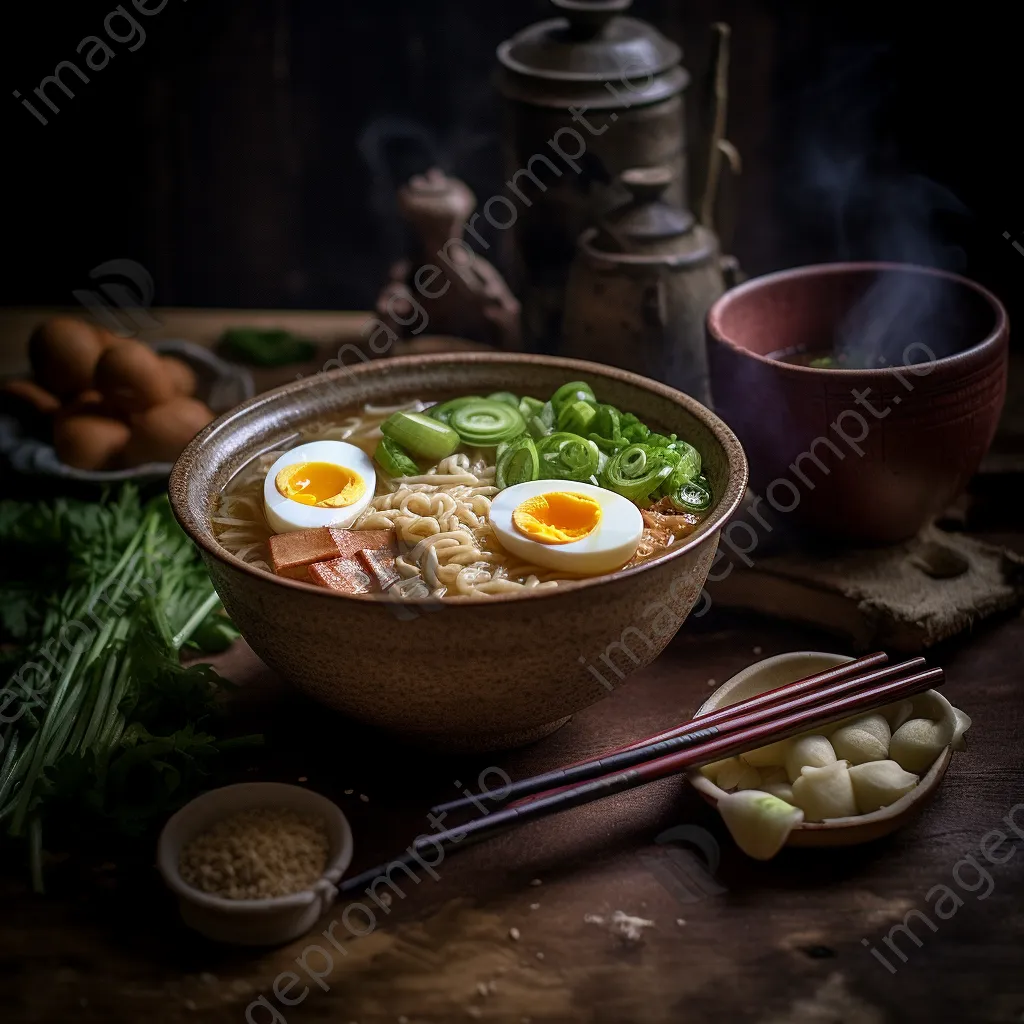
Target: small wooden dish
862, 828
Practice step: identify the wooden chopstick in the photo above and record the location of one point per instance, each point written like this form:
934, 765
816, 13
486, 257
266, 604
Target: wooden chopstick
782, 724
813, 688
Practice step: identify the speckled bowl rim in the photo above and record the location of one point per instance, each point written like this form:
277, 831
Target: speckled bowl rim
814, 270
724, 507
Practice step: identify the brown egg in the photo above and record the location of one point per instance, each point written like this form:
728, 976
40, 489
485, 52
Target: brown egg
108, 339
181, 374
159, 434
132, 377
30, 394
64, 352
89, 442
91, 403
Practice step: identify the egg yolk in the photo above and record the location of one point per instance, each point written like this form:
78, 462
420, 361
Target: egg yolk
322, 484
557, 518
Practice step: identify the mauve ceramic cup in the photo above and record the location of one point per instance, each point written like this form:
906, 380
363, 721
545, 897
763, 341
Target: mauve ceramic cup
472, 674
864, 455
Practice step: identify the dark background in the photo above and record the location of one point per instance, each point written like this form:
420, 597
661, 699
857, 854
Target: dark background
247, 153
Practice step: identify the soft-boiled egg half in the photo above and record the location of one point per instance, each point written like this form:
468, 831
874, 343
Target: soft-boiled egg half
571, 527
322, 483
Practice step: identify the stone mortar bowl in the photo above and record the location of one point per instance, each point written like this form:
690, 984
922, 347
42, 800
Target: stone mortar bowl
475, 673
868, 455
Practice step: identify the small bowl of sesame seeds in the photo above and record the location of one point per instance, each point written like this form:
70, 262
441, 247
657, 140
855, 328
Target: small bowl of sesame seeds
257, 863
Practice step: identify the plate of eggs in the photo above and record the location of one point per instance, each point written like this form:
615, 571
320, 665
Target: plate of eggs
843, 784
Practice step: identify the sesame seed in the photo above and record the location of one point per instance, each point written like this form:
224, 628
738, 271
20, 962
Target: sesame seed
302, 778
757, 650
539, 955
536, 881
364, 798
254, 854
349, 792
535, 906
513, 934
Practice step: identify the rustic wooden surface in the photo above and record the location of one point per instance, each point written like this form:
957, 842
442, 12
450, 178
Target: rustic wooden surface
772, 942
731, 940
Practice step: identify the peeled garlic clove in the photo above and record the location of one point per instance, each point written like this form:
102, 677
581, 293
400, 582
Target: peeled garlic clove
863, 739
759, 822
963, 723
880, 783
750, 779
729, 772
896, 714
815, 751
780, 788
710, 771
916, 744
765, 757
825, 792
776, 774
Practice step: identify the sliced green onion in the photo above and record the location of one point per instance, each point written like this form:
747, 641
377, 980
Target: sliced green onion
687, 467
394, 459
517, 462
607, 422
607, 445
543, 422
576, 417
574, 391
692, 497
444, 410
484, 422
636, 472
505, 396
420, 434
566, 456
529, 407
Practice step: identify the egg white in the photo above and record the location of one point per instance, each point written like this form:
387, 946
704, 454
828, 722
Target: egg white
608, 548
285, 515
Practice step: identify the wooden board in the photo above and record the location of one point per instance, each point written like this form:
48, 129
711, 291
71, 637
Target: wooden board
738, 942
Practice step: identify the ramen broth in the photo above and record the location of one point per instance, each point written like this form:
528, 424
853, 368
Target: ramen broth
445, 543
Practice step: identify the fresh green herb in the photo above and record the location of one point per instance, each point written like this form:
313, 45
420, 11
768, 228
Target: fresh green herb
266, 347
101, 722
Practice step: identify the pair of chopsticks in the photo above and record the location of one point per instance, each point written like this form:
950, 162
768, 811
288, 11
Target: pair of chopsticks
862, 685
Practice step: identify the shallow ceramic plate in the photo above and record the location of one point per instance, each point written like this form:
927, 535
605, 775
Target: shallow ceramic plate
862, 828
221, 385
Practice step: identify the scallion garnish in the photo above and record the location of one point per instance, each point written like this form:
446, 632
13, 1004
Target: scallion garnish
565, 456
394, 459
485, 423
421, 435
517, 462
637, 471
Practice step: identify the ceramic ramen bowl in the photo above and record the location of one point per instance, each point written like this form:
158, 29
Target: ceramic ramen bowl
483, 672
866, 454
861, 828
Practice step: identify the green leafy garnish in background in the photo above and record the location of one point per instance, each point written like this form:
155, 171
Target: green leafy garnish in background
266, 346
100, 723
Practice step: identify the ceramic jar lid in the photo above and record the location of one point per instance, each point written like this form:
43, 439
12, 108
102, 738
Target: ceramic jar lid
591, 45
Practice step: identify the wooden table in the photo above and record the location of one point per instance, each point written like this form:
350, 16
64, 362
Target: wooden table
520, 928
